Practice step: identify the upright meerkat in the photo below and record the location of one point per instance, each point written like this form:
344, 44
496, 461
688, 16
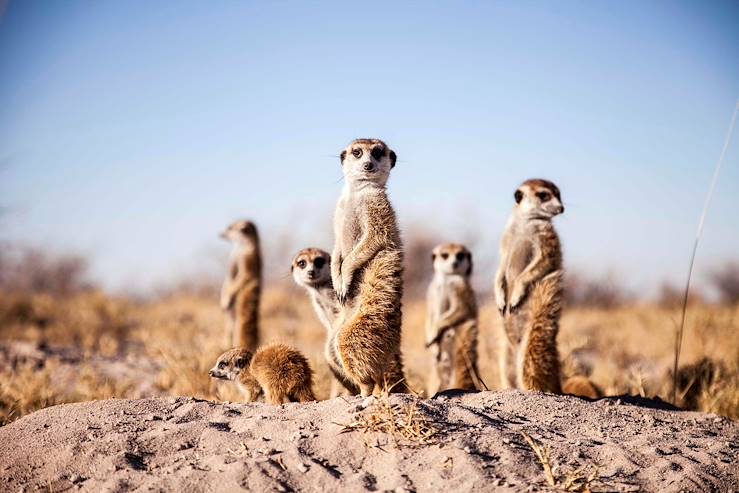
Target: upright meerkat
367, 269
528, 289
311, 270
278, 371
451, 324
242, 287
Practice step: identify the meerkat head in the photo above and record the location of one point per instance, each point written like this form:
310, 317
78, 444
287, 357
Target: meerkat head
367, 161
311, 267
538, 198
452, 258
231, 364
240, 232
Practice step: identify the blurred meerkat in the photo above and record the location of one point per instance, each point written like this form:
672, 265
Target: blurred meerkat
242, 287
581, 386
451, 324
278, 371
528, 290
366, 270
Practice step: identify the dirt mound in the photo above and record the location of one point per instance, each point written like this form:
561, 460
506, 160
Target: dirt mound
454, 442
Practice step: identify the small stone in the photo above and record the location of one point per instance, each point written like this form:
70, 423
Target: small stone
303, 468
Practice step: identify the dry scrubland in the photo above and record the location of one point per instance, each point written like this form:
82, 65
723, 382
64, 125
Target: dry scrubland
85, 346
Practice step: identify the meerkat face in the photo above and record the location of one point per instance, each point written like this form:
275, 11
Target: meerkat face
539, 198
452, 258
367, 161
231, 364
311, 267
240, 232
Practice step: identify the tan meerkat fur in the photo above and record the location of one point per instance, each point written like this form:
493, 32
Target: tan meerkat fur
311, 269
528, 290
242, 287
278, 371
367, 269
581, 386
451, 323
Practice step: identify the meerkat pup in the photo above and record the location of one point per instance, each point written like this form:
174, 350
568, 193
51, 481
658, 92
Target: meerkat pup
311, 270
451, 324
242, 287
367, 268
528, 289
278, 371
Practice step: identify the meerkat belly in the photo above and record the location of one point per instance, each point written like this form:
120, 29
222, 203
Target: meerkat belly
519, 258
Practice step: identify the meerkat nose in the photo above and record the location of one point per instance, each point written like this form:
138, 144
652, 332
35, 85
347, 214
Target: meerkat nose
311, 274
369, 166
561, 209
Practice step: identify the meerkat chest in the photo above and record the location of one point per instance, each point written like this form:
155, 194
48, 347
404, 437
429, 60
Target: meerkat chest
520, 255
351, 223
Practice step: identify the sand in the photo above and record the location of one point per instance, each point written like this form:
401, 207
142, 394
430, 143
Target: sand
182, 444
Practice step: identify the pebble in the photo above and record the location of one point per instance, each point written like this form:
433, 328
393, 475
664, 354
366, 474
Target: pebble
303, 468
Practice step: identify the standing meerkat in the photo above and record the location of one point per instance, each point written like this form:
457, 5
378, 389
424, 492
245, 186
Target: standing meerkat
311, 270
242, 287
367, 270
278, 371
451, 324
528, 290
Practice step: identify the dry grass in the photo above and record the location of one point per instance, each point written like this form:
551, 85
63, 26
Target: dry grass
405, 424
574, 480
625, 350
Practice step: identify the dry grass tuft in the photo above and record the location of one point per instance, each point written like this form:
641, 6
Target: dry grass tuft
405, 424
574, 480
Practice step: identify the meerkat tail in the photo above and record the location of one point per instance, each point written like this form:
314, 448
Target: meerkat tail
466, 375
540, 359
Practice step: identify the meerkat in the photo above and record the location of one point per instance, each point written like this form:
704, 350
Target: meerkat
451, 324
242, 287
311, 270
367, 269
528, 290
278, 371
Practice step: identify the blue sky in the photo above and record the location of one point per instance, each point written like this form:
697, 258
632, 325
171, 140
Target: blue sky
134, 131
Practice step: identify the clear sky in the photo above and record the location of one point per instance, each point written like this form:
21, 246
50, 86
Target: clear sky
133, 131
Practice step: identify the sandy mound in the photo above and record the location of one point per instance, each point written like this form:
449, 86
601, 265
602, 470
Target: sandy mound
180, 444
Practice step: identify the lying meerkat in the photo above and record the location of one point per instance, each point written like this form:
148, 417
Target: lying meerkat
451, 324
528, 290
278, 371
242, 287
367, 270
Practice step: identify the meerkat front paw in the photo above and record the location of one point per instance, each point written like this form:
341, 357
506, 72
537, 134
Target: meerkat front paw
517, 294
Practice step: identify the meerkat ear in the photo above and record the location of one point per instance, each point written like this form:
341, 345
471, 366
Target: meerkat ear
518, 196
469, 269
240, 362
343, 156
393, 158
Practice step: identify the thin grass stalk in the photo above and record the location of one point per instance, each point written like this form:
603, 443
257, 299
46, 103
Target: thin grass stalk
699, 234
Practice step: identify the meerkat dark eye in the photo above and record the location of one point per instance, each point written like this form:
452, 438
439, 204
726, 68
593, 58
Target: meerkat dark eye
445, 256
544, 196
222, 365
461, 256
378, 152
357, 153
518, 196
301, 264
319, 262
